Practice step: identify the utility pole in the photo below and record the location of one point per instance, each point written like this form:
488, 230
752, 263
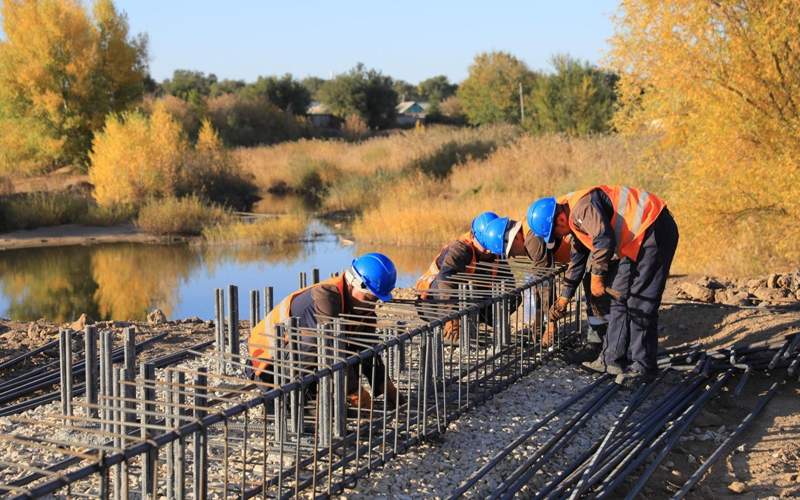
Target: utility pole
521, 105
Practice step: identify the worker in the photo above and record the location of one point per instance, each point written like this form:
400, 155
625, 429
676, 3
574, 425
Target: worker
489, 238
371, 277
597, 308
637, 226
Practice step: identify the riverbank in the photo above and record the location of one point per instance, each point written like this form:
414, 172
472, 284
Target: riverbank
76, 234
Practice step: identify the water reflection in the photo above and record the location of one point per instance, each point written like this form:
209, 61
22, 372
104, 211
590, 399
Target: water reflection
124, 281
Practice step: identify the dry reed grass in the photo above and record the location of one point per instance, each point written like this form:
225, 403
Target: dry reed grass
187, 216
423, 211
352, 173
277, 231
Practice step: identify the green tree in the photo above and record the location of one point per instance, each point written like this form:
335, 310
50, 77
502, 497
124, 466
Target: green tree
436, 89
191, 86
577, 99
490, 94
284, 92
226, 87
313, 84
62, 70
405, 91
366, 93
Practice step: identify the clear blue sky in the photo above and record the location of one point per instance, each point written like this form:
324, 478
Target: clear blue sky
411, 40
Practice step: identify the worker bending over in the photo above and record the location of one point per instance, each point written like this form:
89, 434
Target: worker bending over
635, 225
490, 237
356, 291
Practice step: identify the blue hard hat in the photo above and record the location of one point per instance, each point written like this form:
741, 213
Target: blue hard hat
541, 215
479, 223
378, 274
492, 238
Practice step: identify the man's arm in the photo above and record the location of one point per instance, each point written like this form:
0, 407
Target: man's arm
578, 257
455, 260
592, 215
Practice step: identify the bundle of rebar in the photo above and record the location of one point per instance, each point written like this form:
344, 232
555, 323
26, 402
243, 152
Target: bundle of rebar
622, 461
177, 428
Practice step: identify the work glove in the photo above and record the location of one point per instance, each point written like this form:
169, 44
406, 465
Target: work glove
598, 287
452, 331
559, 309
549, 334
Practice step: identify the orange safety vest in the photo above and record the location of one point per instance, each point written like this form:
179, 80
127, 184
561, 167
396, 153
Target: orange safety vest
634, 211
261, 343
424, 282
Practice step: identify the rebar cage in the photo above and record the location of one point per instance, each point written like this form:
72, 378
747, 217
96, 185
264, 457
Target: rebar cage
201, 428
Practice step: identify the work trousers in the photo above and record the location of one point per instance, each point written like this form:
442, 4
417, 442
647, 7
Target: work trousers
632, 337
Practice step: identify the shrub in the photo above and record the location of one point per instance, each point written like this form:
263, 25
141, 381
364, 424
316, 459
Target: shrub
186, 216
363, 92
354, 127
137, 157
28, 211
274, 231
248, 121
210, 173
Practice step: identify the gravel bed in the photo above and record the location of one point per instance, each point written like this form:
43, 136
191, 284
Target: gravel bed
434, 469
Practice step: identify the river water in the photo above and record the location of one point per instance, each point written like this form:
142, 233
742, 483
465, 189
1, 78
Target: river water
124, 281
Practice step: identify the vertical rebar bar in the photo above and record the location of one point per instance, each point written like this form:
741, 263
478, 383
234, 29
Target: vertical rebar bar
129, 348
315, 275
200, 440
148, 398
91, 372
116, 427
339, 387
64, 368
303, 279
180, 450
233, 323
268, 300
106, 376
295, 397
170, 420
219, 327
255, 310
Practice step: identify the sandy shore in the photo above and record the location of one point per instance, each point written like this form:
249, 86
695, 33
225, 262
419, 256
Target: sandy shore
74, 234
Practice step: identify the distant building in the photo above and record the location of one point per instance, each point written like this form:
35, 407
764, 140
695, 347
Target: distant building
410, 112
320, 116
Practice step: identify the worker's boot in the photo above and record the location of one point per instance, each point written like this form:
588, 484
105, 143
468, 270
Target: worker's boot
599, 365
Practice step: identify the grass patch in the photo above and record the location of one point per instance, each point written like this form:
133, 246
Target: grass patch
277, 231
29, 211
349, 176
187, 216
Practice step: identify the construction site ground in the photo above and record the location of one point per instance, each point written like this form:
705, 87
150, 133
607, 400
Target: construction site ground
765, 463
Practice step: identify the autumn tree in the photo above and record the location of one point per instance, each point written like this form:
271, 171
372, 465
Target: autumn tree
490, 94
136, 157
720, 83
577, 99
436, 89
62, 70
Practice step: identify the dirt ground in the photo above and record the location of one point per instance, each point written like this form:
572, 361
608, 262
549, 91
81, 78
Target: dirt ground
74, 234
766, 461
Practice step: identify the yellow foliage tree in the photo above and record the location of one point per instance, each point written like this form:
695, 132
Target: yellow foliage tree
720, 82
61, 71
136, 157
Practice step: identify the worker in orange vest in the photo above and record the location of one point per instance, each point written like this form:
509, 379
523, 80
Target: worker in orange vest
490, 237
371, 276
635, 225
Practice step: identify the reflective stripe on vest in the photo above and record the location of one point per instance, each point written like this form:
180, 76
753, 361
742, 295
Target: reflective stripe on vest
634, 211
261, 343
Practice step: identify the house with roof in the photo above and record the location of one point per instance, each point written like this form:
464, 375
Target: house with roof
410, 112
320, 116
